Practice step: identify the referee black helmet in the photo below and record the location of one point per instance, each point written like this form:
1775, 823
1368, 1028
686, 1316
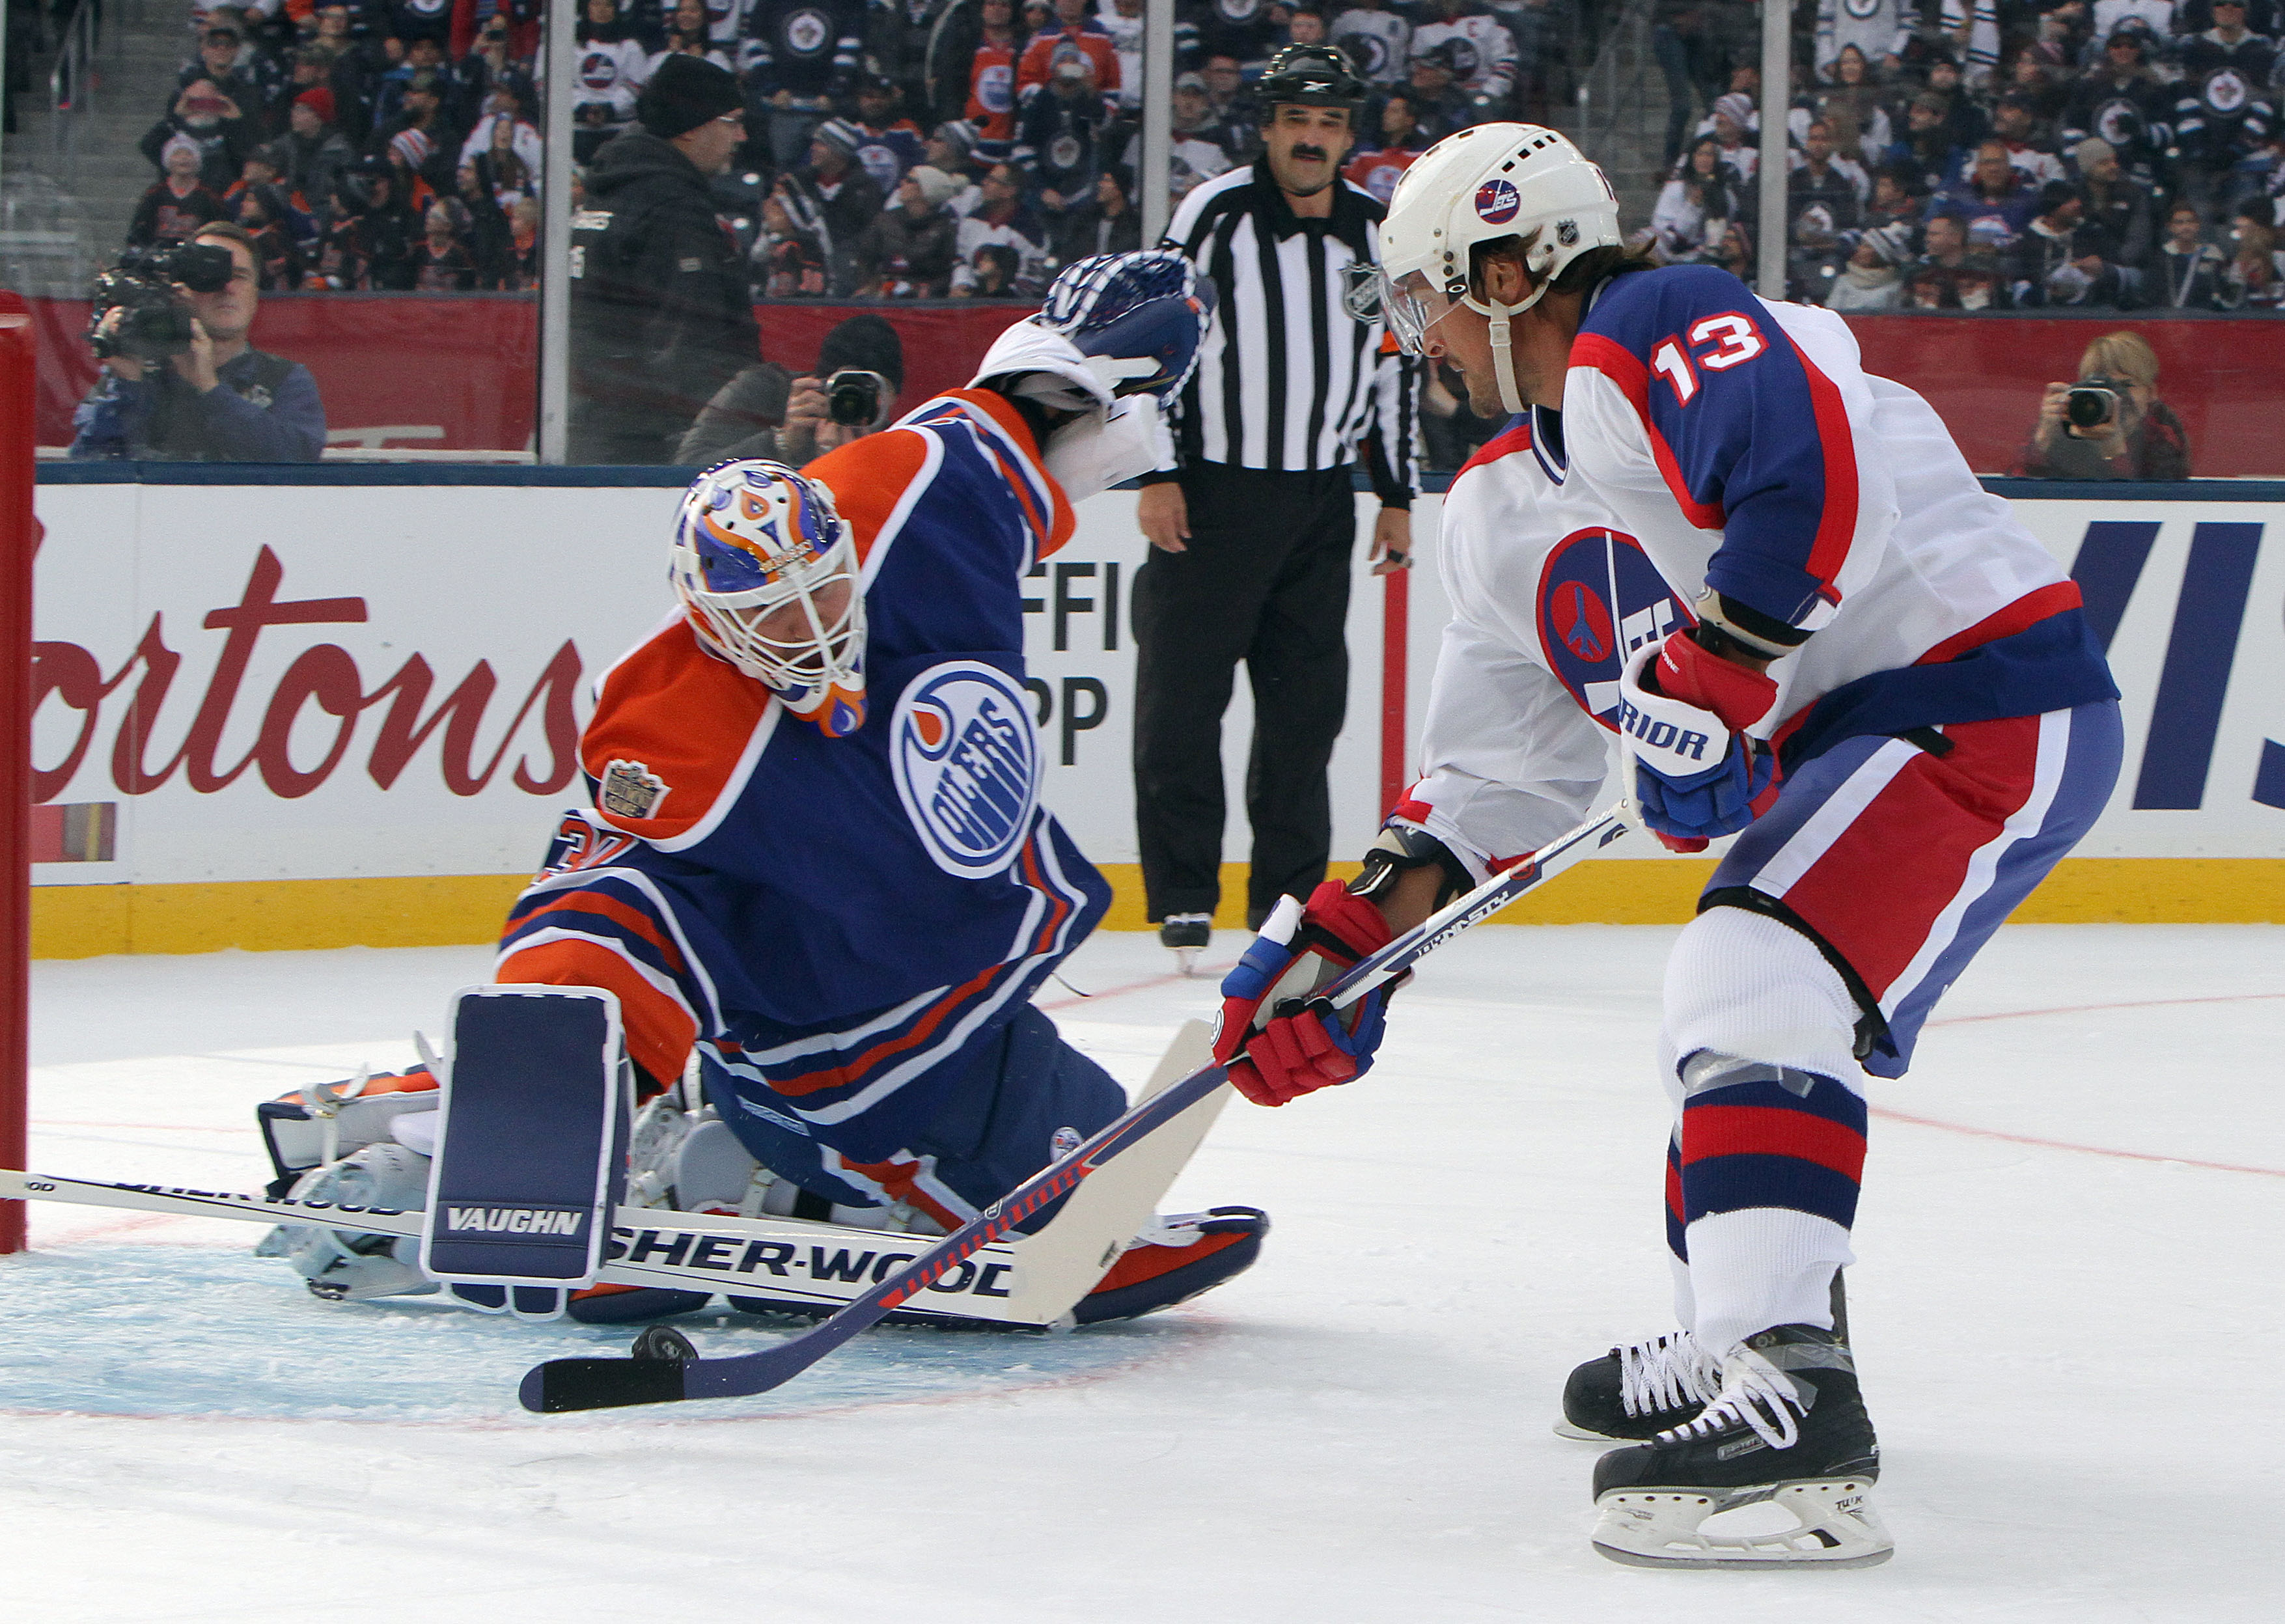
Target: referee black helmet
1310, 77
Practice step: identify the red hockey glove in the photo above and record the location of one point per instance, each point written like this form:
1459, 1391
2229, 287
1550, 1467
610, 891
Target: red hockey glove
1275, 1058
1697, 775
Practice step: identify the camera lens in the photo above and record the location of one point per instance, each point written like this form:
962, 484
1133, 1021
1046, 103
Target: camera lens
2089, 407
852, 398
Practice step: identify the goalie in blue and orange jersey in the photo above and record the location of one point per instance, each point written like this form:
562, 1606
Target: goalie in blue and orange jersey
815, 857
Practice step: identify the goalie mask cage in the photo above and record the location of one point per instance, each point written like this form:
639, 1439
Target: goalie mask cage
19, 538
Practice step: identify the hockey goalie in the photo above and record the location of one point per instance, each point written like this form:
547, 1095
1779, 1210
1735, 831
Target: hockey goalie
814, 873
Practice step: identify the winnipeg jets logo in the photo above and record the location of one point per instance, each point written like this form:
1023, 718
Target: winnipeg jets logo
1600, 600
1497, 202
806, 32
967, 766
2225, 92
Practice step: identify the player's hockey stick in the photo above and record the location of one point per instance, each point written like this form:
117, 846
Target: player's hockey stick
562, 1385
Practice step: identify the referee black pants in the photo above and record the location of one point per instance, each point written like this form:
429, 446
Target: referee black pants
1266, 580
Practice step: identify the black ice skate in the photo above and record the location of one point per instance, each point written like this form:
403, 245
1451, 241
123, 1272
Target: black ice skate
1186, 935
1640, 1390
1788, 1427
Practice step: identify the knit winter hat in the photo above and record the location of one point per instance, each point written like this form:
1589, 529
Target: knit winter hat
866, 342
318, 99
1737, 106
683, 94
937, 187
839, 134
183, 142
410, 145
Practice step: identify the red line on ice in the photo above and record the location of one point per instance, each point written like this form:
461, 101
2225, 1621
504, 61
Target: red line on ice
2062, 1144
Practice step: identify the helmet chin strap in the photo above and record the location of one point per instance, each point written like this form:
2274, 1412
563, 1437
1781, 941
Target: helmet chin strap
1504, 342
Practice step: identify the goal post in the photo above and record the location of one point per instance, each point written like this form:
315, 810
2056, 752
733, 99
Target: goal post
18, 540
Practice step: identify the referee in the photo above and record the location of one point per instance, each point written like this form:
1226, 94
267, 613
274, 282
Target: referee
1252, 517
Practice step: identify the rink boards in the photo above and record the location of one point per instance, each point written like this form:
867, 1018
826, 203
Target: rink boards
343, 709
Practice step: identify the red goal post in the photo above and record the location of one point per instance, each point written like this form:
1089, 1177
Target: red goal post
18, 540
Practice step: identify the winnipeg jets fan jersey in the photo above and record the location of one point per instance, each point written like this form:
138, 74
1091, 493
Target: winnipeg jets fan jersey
1709, 438
1548, 601
850, 912
1743, 444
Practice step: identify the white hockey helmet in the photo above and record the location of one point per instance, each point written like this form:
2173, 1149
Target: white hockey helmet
1484, 183
767, 572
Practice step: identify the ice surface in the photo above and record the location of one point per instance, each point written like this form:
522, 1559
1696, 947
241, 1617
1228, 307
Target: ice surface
2068, 1350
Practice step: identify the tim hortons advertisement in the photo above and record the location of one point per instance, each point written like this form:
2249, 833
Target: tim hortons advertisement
274, 682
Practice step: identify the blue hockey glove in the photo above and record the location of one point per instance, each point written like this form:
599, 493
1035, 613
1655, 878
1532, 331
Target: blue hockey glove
1684, 710
1275, 1058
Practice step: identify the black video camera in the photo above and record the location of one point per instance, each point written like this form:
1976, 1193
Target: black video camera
2092, 403
852, 397
157, 320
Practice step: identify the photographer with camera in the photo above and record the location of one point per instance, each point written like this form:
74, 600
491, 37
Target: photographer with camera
181, 383
2110, 424
762, 413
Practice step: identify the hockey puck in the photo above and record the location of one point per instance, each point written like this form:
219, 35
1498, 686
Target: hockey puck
662, 1342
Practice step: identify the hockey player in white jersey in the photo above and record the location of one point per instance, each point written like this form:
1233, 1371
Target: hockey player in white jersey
1707, 528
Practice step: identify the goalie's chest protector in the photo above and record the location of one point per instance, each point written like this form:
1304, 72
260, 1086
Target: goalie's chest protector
856, 871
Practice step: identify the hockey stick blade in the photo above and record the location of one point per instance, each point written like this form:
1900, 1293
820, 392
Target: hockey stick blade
562, 1385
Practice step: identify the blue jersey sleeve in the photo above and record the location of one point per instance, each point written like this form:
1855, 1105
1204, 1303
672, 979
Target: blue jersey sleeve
1751, 437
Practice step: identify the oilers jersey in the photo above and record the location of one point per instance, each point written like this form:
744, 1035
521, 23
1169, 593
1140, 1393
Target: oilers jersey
839, 919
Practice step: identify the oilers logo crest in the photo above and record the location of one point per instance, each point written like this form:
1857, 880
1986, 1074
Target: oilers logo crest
967, 766
1600, 598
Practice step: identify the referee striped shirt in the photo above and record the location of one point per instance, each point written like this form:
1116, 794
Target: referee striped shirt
1287, 379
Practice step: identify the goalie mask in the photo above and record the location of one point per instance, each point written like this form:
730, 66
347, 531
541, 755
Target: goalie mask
767, 573
1114, 328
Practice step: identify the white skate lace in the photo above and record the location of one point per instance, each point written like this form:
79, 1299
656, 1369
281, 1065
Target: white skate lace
1665, 1373
1755, 1393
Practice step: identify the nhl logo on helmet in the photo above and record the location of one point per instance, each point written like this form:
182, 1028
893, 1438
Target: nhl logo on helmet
1497, 201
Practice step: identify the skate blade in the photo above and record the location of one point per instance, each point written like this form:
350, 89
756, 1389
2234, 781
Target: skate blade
1567, 1429
1186, 960
1659, 1528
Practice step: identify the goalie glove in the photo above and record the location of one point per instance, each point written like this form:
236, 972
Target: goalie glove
1684, 711
1278, 1042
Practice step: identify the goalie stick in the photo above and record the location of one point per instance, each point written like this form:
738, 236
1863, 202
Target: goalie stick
1026, 1280
656, 1375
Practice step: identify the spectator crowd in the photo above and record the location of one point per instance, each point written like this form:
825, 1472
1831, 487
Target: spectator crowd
895, 148
1942, 154
381, 146
1975, 155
